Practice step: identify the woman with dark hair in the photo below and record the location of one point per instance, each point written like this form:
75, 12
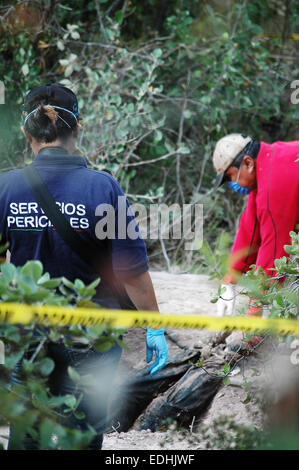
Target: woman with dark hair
51, 126
47, 122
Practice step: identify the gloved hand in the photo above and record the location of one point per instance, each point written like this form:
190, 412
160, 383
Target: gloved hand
226, 303
155, 341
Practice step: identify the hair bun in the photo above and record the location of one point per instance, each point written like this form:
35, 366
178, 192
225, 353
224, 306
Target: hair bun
50, 112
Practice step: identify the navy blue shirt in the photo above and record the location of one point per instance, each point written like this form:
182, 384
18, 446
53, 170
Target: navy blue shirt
80, 194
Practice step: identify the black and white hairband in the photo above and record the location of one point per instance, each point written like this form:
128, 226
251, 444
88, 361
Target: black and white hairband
57, 107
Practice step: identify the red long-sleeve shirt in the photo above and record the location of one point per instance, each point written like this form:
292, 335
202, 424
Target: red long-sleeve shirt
272, 209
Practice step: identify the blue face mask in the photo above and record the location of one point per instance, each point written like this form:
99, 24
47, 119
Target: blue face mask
237, 188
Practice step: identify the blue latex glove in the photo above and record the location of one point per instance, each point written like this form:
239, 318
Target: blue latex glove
155, 341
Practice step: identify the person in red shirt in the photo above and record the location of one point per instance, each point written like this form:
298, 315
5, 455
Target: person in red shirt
269, 174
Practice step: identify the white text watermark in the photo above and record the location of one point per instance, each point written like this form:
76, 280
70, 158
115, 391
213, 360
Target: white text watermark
2, 353
153, 222
2, 93
295, 93
295, 355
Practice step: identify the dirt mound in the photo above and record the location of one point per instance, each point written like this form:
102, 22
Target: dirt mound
181, 393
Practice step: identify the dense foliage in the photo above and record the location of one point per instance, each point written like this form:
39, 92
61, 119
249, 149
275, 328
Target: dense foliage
30, 408
159, 82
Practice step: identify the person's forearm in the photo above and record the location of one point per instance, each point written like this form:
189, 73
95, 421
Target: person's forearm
141, 292
5, 257
230, 278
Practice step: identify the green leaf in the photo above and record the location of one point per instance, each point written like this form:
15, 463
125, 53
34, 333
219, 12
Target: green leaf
75, 35
86, 292
103, 346
116, 99
68, 283
183, 150
51, 284
85, 303
169, 147
122, 344
73, 374
12, 333
70, 401
121, 133
45, 366
158, 136
79, 284
56, 402
226, 381
12, 359
11, 297
9, 271
279, 300
46, 431
187, 114
130, 108
288, 249
3, 286
33, 269
64, 292
39, 296
157, 53
94, 332
23, 426
25, 69
27, 366
200, 362
45, 277
226, 368
119, 17
27, 285
94, 284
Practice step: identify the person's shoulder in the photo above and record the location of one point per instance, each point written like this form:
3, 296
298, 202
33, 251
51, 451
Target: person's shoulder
286, 145
7, 177
264, 147
286, 142
104, 177
98, 173
277, 149
286, 150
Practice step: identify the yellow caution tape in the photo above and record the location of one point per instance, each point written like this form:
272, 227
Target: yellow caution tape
25, 314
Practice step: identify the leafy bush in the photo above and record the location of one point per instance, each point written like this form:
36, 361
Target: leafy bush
29, 407
280, 299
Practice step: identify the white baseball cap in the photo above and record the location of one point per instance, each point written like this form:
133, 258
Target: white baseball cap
226, 150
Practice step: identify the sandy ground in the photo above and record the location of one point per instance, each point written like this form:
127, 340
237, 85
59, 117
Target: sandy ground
182, 294
185, 294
